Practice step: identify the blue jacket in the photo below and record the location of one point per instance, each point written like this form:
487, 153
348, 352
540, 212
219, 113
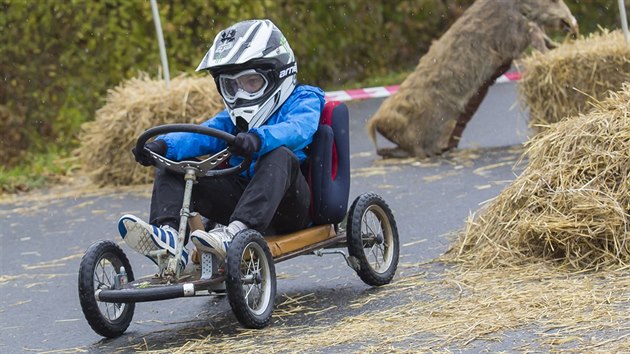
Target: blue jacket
292, 125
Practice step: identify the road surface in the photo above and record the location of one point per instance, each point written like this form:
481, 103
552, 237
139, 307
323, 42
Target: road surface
44, 236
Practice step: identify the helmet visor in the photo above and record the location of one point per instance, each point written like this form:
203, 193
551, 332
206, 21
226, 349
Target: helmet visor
248, 85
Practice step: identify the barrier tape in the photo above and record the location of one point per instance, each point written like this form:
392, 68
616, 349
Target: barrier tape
385, 91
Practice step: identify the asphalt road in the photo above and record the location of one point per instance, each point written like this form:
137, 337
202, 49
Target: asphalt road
43, 237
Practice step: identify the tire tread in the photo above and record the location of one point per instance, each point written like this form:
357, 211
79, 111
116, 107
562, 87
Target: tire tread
87, 299
355, 245
234, 288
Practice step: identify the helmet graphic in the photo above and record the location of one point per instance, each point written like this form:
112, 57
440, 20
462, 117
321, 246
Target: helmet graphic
254, 69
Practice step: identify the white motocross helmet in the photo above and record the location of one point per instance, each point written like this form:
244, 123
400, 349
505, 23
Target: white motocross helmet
254, 69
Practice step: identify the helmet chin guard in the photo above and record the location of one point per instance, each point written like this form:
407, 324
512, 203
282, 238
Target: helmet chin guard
254, 47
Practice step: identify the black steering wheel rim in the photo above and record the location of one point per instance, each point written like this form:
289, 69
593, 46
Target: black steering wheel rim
192, 128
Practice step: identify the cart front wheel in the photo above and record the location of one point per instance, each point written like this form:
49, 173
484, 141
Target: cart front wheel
373, 239
99, 268
251, 279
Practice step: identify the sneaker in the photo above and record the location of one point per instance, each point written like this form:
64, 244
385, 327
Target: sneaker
215, 241
144, 238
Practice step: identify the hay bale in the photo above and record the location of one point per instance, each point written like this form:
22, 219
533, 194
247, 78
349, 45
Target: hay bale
571, 204
428, 114
131, 108
566, 81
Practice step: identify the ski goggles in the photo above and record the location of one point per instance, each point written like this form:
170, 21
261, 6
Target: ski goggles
248, 85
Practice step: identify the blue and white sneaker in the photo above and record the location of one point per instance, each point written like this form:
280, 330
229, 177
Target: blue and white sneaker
144, 237
215, 241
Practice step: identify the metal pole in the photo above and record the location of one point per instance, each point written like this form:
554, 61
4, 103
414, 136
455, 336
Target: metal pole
160, 36
624, 19
190, 178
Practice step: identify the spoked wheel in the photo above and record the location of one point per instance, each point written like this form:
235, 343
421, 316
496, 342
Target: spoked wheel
373, 239
251, 279
99, 267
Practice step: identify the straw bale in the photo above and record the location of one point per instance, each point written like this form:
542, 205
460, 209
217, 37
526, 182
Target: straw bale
131, 108
566, 81
428, 114
571, 204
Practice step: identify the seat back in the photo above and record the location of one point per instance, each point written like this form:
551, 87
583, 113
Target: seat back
329, 165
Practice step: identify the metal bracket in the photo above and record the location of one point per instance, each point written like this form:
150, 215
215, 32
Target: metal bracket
120, 279
210, 268
350, 260
206, 266
353, 263
162, 260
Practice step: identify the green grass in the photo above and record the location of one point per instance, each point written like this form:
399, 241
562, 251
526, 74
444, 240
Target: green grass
36, 171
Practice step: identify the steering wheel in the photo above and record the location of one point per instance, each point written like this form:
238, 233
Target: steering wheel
203, 168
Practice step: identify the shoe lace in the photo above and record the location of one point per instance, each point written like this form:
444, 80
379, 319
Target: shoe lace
225, 235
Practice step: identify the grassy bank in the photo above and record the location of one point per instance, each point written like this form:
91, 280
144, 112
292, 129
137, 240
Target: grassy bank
37, 171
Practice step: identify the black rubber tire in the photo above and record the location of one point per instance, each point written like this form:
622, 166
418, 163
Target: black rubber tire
250, 315
371, 206
100, 321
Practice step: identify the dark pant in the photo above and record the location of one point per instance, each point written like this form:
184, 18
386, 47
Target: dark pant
275, 200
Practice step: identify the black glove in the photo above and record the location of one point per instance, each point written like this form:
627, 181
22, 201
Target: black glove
144, 157
245, 144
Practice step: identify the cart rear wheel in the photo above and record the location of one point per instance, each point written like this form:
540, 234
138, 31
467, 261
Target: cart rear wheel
251, 279
99, 266
373, 239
